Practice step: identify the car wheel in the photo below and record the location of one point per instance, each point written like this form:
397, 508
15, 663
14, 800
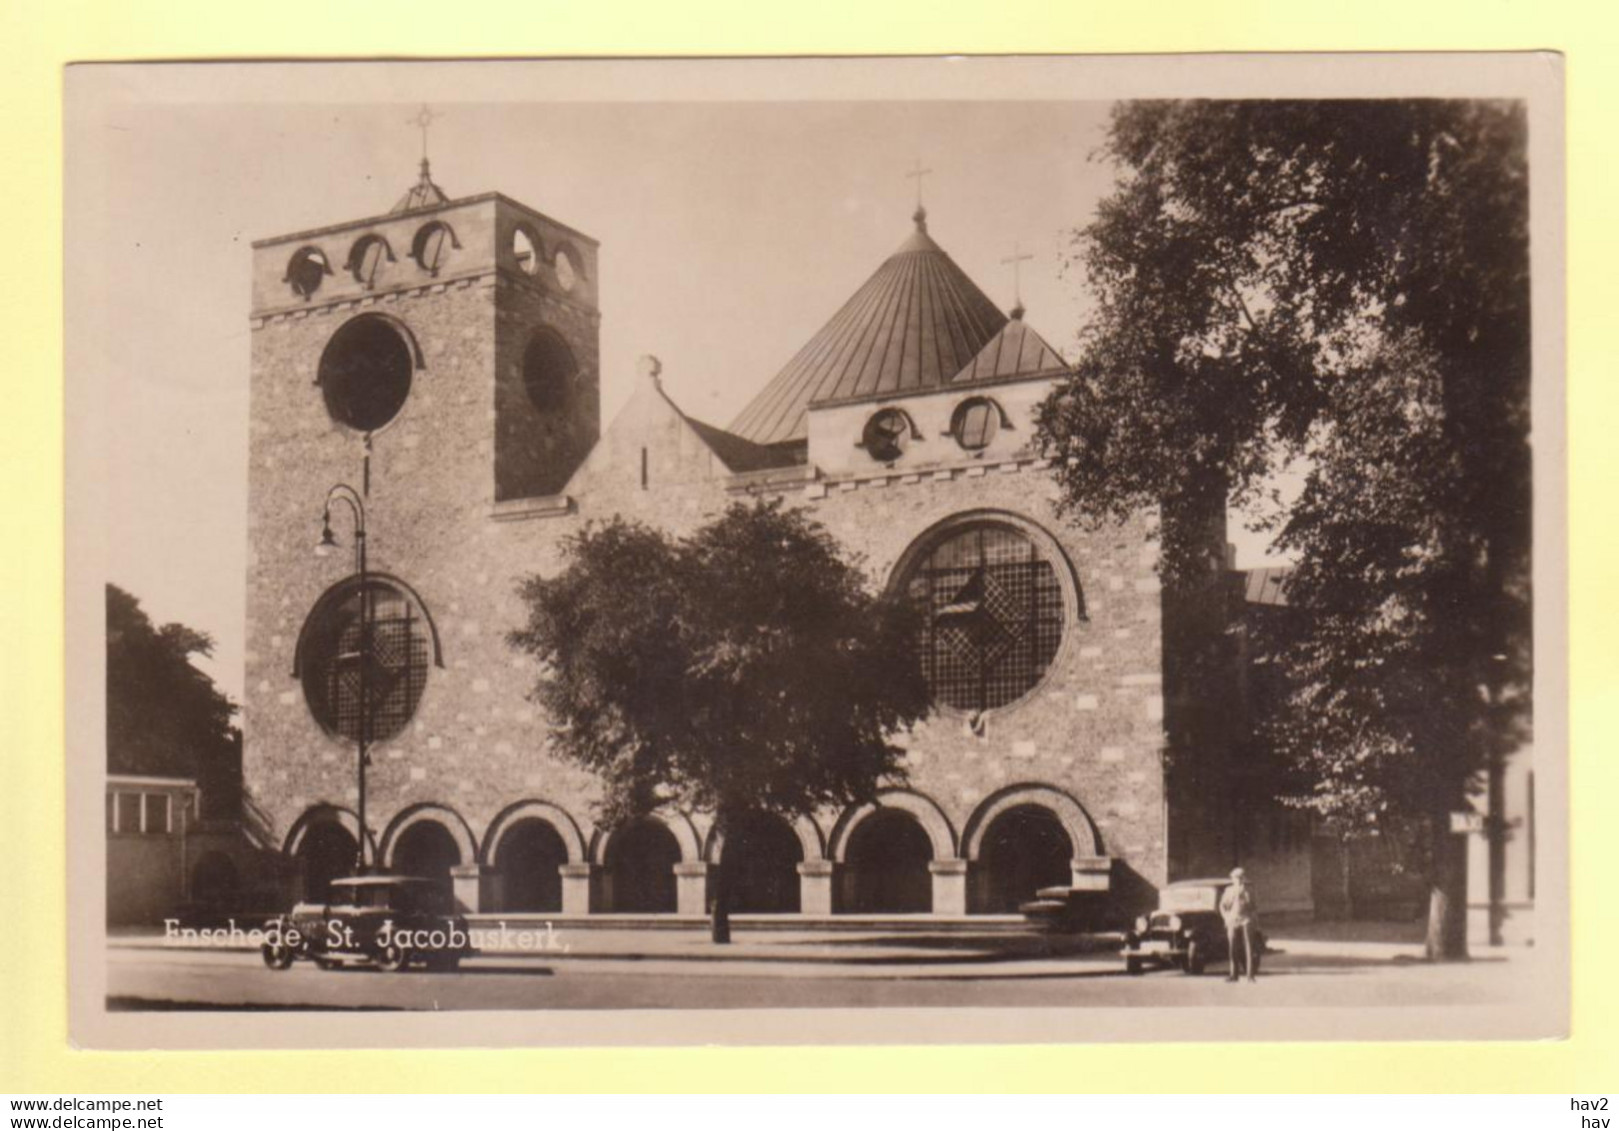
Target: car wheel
393, 958
1195, 958
277, 956
1132, 966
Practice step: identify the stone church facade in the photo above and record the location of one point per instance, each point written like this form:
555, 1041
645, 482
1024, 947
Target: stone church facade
443, 359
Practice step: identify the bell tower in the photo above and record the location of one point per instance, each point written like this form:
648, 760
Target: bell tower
418, 314
547, 352
439, 358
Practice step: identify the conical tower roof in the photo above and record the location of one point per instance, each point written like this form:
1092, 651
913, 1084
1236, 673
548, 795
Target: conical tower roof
1017, 351
912, 327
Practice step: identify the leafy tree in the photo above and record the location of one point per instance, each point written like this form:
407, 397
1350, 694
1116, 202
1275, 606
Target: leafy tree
163, 715
745, 667
1339, 290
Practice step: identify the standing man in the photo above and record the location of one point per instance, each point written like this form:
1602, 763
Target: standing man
1237, 908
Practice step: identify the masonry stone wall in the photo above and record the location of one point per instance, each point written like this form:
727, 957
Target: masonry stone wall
1092, 728
1092, 731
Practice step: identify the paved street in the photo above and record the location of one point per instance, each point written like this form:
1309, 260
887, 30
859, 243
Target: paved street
682, 972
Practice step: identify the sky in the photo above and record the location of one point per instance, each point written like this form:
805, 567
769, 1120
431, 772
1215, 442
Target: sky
730, 232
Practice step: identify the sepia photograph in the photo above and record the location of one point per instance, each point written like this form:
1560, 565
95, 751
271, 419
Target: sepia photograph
816, 551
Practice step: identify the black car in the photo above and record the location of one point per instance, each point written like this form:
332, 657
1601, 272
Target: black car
1186, 931
391, 922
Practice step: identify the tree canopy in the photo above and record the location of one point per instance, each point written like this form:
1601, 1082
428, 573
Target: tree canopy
164, 716
1339, 290
746, 666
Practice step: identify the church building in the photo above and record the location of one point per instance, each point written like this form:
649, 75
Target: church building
442, 360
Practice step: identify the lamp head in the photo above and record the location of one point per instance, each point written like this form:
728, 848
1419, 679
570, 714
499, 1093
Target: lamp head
328, 540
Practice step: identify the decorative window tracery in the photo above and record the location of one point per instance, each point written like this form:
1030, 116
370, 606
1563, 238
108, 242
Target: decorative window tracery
994, 615
364, 663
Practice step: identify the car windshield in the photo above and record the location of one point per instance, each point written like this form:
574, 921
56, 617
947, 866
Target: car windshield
1194, 897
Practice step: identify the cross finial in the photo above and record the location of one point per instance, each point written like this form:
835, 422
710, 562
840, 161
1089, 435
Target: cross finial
917, 173
424, 118
1018, 257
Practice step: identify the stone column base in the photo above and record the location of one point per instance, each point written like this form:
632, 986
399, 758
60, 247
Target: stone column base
815, 879
579, 888
476, 888
949, 886
691, 888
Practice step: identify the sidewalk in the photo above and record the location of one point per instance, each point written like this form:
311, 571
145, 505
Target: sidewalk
532, 937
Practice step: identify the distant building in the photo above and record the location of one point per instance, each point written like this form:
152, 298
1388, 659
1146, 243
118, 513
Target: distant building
444, 357
163, 860
1384, 875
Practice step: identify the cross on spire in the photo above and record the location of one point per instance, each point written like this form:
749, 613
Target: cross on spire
1016, 259
424, 118
916, 174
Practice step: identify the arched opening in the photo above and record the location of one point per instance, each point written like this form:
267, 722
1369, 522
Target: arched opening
363, 659
569, 267
365, 372
306, 269
432, 245
997, 597
530, 854
215, 882
549, 369
1024, 849
975, 423
526, 249
760, 859
640, 868
327, 852
426, 848
887, 434
887, 865
366, 259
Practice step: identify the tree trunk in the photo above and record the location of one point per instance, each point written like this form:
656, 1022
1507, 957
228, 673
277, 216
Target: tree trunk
719, 908
720, 913
1346, 869
1447, 894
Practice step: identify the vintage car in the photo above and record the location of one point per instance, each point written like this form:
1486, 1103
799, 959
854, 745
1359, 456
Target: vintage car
1186, 930
391, 922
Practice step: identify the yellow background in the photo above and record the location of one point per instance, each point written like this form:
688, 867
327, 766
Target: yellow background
40, 36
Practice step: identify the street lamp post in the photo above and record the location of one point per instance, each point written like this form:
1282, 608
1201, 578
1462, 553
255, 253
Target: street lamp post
343, 493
